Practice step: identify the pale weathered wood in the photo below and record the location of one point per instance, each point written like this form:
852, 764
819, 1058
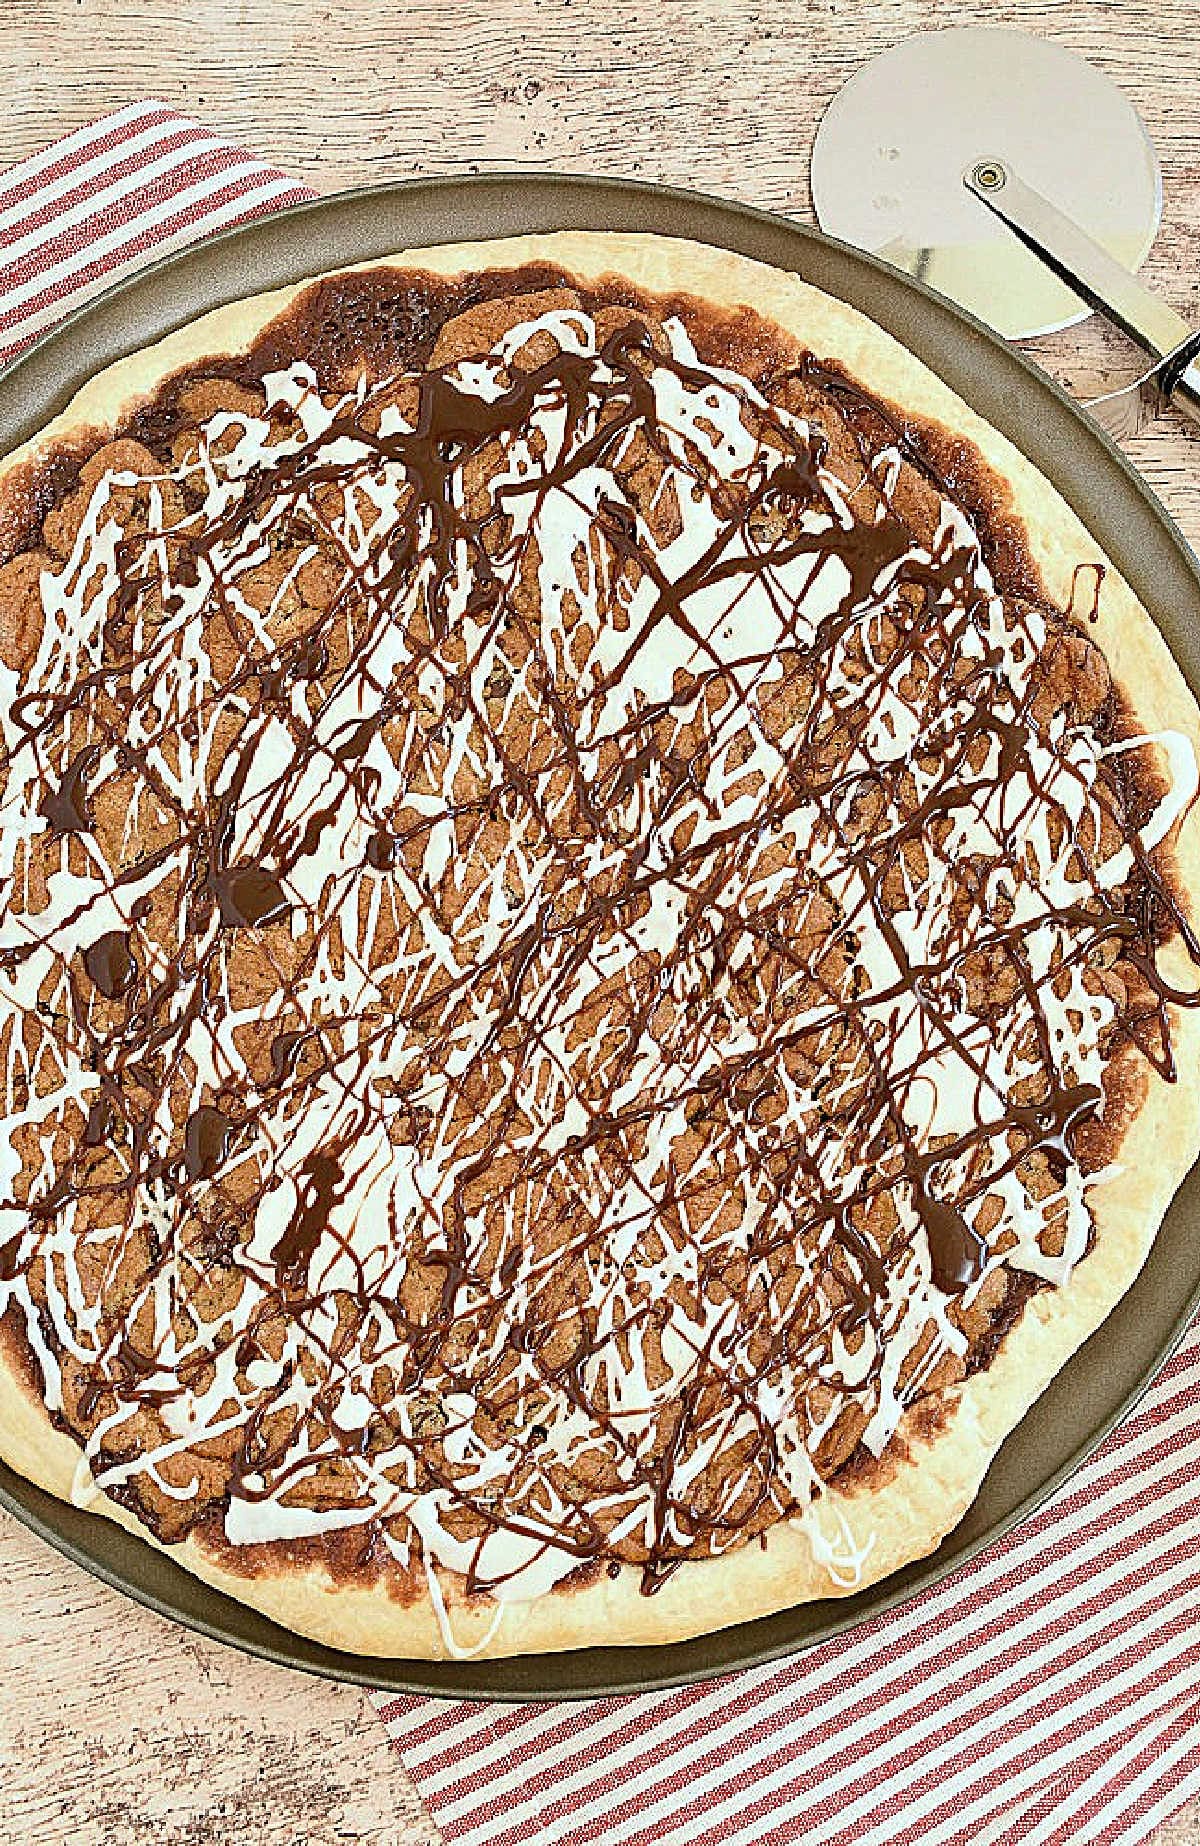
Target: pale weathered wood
118, 1728
114, 1726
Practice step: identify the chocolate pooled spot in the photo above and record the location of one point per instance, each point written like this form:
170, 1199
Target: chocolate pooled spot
249, 896
110, 964
66, 807
206, 1141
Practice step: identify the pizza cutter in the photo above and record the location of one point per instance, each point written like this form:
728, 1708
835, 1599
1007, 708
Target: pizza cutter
1012, 176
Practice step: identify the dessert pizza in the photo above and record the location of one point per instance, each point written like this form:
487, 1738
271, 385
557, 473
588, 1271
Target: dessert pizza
598, 948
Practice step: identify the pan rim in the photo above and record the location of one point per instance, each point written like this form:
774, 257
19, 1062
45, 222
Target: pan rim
248, 258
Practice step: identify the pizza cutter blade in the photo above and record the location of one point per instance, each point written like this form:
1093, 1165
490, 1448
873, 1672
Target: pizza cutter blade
889, 156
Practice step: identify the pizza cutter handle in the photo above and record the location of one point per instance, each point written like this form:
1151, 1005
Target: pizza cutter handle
1097, 278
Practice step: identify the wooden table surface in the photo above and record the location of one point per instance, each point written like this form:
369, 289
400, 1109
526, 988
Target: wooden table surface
115, 1726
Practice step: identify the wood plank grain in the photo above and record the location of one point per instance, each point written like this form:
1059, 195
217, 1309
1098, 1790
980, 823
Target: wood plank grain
116, 1727
119, 1729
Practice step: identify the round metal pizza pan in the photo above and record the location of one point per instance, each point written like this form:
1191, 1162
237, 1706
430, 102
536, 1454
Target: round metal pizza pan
1104, 1379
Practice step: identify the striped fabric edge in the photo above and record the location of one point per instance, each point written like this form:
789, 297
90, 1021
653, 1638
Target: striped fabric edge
96, 205
1048, 1692
838, 1676
29, 179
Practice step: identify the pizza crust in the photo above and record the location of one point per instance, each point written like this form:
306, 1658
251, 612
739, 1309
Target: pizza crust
936, 1474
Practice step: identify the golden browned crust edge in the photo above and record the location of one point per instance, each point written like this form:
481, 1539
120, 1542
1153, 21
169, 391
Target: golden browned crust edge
935, 1481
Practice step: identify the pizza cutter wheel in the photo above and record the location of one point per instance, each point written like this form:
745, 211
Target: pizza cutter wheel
1013, 177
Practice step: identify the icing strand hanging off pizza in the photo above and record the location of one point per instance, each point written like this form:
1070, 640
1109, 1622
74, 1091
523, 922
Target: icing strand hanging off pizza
594, 957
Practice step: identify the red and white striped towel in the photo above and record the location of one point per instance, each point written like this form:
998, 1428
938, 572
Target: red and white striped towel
1048, 1694
96, 204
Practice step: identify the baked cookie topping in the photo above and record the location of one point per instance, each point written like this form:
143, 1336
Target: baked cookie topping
574, 935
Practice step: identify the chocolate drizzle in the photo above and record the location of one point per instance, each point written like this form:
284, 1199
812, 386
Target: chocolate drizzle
101, 1123
284, 1052
65, 807
957, 1254
321, 1183
110, 965
248, 896
206, 1141
381, 852
642, 900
